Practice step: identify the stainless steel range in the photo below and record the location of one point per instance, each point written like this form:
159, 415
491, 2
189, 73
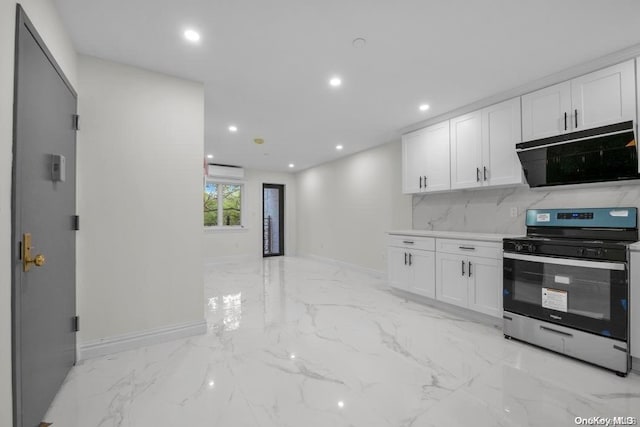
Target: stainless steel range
566, 284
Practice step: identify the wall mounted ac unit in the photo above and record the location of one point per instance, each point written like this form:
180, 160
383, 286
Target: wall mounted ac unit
225, 171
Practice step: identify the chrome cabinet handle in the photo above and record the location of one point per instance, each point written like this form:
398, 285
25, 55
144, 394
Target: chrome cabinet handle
477, 174
405, 258
467, 248
576, 114
410, 261
408, 242
463, 268
469, 268
565, 120
420, 182
485, 172
425, 181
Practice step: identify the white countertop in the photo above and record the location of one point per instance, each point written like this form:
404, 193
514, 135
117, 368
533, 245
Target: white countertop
462, 235
634, 246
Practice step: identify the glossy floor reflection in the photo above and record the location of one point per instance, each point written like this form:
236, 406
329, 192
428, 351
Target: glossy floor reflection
295, 342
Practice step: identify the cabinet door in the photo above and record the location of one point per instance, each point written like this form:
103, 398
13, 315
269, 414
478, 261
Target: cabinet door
501, 131
604, 97
423, 273
451, 279
414, 157
466, 151
397, 269
437, 163
485, 286
543, 112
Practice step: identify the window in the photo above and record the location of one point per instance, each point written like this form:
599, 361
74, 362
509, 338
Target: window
222, 204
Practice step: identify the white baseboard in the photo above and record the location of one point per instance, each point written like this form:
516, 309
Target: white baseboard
375, 273
230, 258
106, 346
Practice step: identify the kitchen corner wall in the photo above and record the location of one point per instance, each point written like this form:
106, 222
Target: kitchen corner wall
46, 20
140, 149
221, 244
489, 211
346, 206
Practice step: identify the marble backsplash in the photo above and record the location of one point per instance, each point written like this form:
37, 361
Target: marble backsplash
489, 210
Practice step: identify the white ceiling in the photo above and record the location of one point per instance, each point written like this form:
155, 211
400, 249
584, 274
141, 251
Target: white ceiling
266, 64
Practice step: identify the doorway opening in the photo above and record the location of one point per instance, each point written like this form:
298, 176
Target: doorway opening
272, 220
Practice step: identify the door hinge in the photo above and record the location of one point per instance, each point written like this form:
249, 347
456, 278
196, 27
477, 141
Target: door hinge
75, 222
76, 323
76, 122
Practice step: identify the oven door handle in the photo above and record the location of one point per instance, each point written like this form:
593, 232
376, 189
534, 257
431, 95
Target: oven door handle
567, 261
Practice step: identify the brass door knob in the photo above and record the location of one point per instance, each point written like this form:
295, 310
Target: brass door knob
39, 260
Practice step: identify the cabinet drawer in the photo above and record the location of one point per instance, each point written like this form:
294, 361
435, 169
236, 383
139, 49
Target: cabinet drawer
412, 242
469, 248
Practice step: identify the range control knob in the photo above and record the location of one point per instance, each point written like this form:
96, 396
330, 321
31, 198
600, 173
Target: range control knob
531, 247
580, 251
518, 247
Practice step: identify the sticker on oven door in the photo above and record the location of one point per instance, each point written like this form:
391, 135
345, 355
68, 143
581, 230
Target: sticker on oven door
620, 213
563, 280
543, 217
554, 299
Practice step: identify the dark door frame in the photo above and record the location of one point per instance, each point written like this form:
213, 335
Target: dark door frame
281, 188
21, 21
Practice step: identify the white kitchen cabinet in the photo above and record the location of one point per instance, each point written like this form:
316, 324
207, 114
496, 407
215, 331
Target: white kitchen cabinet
469, 275
483, 147
451, 280
425, 159
501, 131
485, 285
466, 150
411, 265
604, 97
634, 305
545, 112
596, 99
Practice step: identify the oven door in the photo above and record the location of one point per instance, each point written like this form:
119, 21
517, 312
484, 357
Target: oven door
586, 295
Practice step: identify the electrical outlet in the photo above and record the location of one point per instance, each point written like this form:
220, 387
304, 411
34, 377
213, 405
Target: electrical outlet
514, 212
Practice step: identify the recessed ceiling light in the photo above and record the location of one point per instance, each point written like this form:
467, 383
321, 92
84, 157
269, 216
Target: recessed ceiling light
341, 404
233, 128
192, 35
209, 156
335, 81
339, 147
424, 107
291, 165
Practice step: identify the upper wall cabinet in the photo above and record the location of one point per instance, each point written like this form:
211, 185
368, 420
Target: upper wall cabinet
483, 147
425, 159
596, 99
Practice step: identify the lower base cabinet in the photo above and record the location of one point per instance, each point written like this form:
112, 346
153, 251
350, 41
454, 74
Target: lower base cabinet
463, 273
470, 281
412, 270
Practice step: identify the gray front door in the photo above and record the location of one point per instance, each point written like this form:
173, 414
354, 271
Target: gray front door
44, 200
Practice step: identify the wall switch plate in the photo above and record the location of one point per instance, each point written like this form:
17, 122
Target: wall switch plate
514, 212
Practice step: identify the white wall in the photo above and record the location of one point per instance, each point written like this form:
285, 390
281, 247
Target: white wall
48, 24
140, 149
345, 207
248, 242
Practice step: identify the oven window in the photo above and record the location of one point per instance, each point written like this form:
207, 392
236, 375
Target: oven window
581, 291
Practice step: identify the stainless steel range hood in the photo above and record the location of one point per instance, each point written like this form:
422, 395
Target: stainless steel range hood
607, 153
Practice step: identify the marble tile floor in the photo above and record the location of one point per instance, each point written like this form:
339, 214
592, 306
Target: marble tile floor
297, 342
